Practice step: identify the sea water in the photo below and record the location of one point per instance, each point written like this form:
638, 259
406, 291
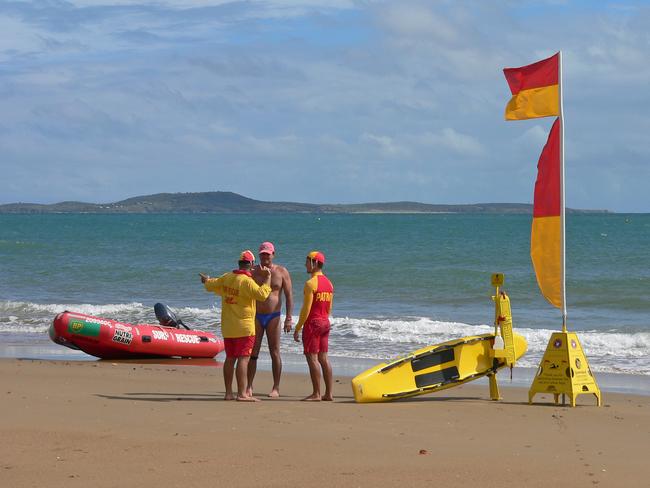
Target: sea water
402, 281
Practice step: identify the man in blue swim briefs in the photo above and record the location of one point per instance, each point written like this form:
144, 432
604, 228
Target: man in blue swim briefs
267, 316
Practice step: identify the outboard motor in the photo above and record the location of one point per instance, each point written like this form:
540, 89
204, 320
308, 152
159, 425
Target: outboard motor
166, 317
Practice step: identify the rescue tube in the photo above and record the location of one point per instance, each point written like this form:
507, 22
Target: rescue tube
110, 339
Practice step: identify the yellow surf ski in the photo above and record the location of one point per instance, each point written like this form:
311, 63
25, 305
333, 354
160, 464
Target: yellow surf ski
432, 368
448, 364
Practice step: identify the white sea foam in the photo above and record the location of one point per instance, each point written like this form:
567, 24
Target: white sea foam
54, 308
373, 338
198, 314
386, 337
419, 330
35, 318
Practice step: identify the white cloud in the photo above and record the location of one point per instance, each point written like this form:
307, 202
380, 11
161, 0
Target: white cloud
450, 139
535, 136
18, 37
396, 100
386, 146
212, 3
418, 21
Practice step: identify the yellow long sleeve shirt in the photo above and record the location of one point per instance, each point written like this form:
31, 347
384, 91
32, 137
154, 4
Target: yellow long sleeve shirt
239, 294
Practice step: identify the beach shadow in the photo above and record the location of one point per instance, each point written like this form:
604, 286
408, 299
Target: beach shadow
287, 398
418, 400
164, 397
206, 362
446, 399
549, 404
187, 397
170, 394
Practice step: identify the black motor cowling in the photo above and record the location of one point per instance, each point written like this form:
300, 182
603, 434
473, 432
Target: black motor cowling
166, 317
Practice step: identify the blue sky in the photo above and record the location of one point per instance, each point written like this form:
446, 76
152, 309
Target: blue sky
312, 101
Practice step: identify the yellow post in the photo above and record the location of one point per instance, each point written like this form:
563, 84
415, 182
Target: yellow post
504, 345
564, 370
494, 387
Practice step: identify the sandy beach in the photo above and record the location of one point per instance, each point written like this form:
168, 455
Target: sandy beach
108, 424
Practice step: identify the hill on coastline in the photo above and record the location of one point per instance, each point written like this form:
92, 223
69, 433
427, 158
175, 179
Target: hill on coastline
229, 202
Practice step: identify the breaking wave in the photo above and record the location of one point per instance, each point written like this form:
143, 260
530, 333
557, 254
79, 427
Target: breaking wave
371, 338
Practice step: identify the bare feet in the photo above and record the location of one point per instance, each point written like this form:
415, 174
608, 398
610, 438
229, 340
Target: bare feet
274, 393
247, 399
249, 391
229, 397
311, 398
327, 398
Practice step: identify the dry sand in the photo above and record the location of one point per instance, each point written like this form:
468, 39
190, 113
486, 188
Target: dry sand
104, 424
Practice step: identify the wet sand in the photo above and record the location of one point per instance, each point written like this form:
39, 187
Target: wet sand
106, 424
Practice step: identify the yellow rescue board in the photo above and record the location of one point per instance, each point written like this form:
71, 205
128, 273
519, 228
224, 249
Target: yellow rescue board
432, 368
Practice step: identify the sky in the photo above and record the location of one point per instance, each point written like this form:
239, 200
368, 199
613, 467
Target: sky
336, 101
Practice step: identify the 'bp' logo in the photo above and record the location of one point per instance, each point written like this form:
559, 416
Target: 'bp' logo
81, 327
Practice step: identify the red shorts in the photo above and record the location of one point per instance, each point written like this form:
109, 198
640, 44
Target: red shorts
315, 336
237, 347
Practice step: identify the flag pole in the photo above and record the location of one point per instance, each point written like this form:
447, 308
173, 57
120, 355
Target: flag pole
562, 201
563, 347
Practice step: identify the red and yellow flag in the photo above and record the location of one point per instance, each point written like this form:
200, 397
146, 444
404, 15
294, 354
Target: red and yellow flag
546, 233
536, 93
535, 90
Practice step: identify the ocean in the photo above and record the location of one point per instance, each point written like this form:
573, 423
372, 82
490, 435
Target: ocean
402, 281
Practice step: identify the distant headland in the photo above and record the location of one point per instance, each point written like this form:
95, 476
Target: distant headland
224, 202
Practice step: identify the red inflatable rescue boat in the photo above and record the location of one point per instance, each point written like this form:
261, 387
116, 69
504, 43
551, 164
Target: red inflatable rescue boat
110, 339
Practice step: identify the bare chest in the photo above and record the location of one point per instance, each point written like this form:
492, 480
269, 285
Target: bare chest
276, 281
276, 278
